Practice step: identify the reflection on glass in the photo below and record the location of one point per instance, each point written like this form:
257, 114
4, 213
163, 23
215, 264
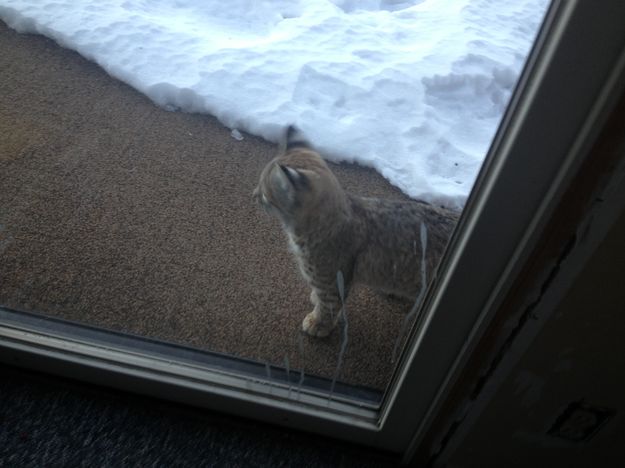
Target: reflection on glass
117, 213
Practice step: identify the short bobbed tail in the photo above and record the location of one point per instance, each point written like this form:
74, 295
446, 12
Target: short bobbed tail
294, 138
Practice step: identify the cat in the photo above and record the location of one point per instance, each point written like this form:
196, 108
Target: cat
339, 239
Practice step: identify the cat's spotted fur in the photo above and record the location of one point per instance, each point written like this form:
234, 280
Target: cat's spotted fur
370, 241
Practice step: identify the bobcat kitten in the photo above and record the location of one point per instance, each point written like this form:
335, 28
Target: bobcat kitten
370, 241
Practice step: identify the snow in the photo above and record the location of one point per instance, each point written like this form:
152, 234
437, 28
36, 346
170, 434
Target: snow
236, 134
412, 88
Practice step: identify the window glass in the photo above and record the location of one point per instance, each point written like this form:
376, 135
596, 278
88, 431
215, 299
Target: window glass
139, 191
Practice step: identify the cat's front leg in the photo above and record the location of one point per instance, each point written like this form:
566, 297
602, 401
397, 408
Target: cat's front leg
329, 292
320, 322
313, 297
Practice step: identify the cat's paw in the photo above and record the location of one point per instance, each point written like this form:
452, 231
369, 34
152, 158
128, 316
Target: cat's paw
313, 326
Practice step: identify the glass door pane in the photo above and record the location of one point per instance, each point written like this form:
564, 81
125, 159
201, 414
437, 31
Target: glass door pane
136, 216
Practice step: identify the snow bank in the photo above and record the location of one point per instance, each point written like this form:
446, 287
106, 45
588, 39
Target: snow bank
413, 88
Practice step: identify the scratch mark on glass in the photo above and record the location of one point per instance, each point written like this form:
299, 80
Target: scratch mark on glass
415, 308
300, 347
288, 374
340, 282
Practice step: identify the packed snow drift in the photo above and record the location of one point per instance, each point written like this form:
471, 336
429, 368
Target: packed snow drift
413, 88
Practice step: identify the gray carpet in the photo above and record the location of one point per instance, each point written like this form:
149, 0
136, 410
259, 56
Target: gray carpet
53, 422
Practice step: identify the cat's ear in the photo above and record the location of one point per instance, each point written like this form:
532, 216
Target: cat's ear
296, 178
288, 182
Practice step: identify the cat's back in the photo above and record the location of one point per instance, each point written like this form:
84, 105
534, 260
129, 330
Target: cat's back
387, 219
399, 235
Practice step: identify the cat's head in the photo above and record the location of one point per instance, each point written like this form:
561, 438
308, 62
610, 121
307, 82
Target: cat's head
297, 184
